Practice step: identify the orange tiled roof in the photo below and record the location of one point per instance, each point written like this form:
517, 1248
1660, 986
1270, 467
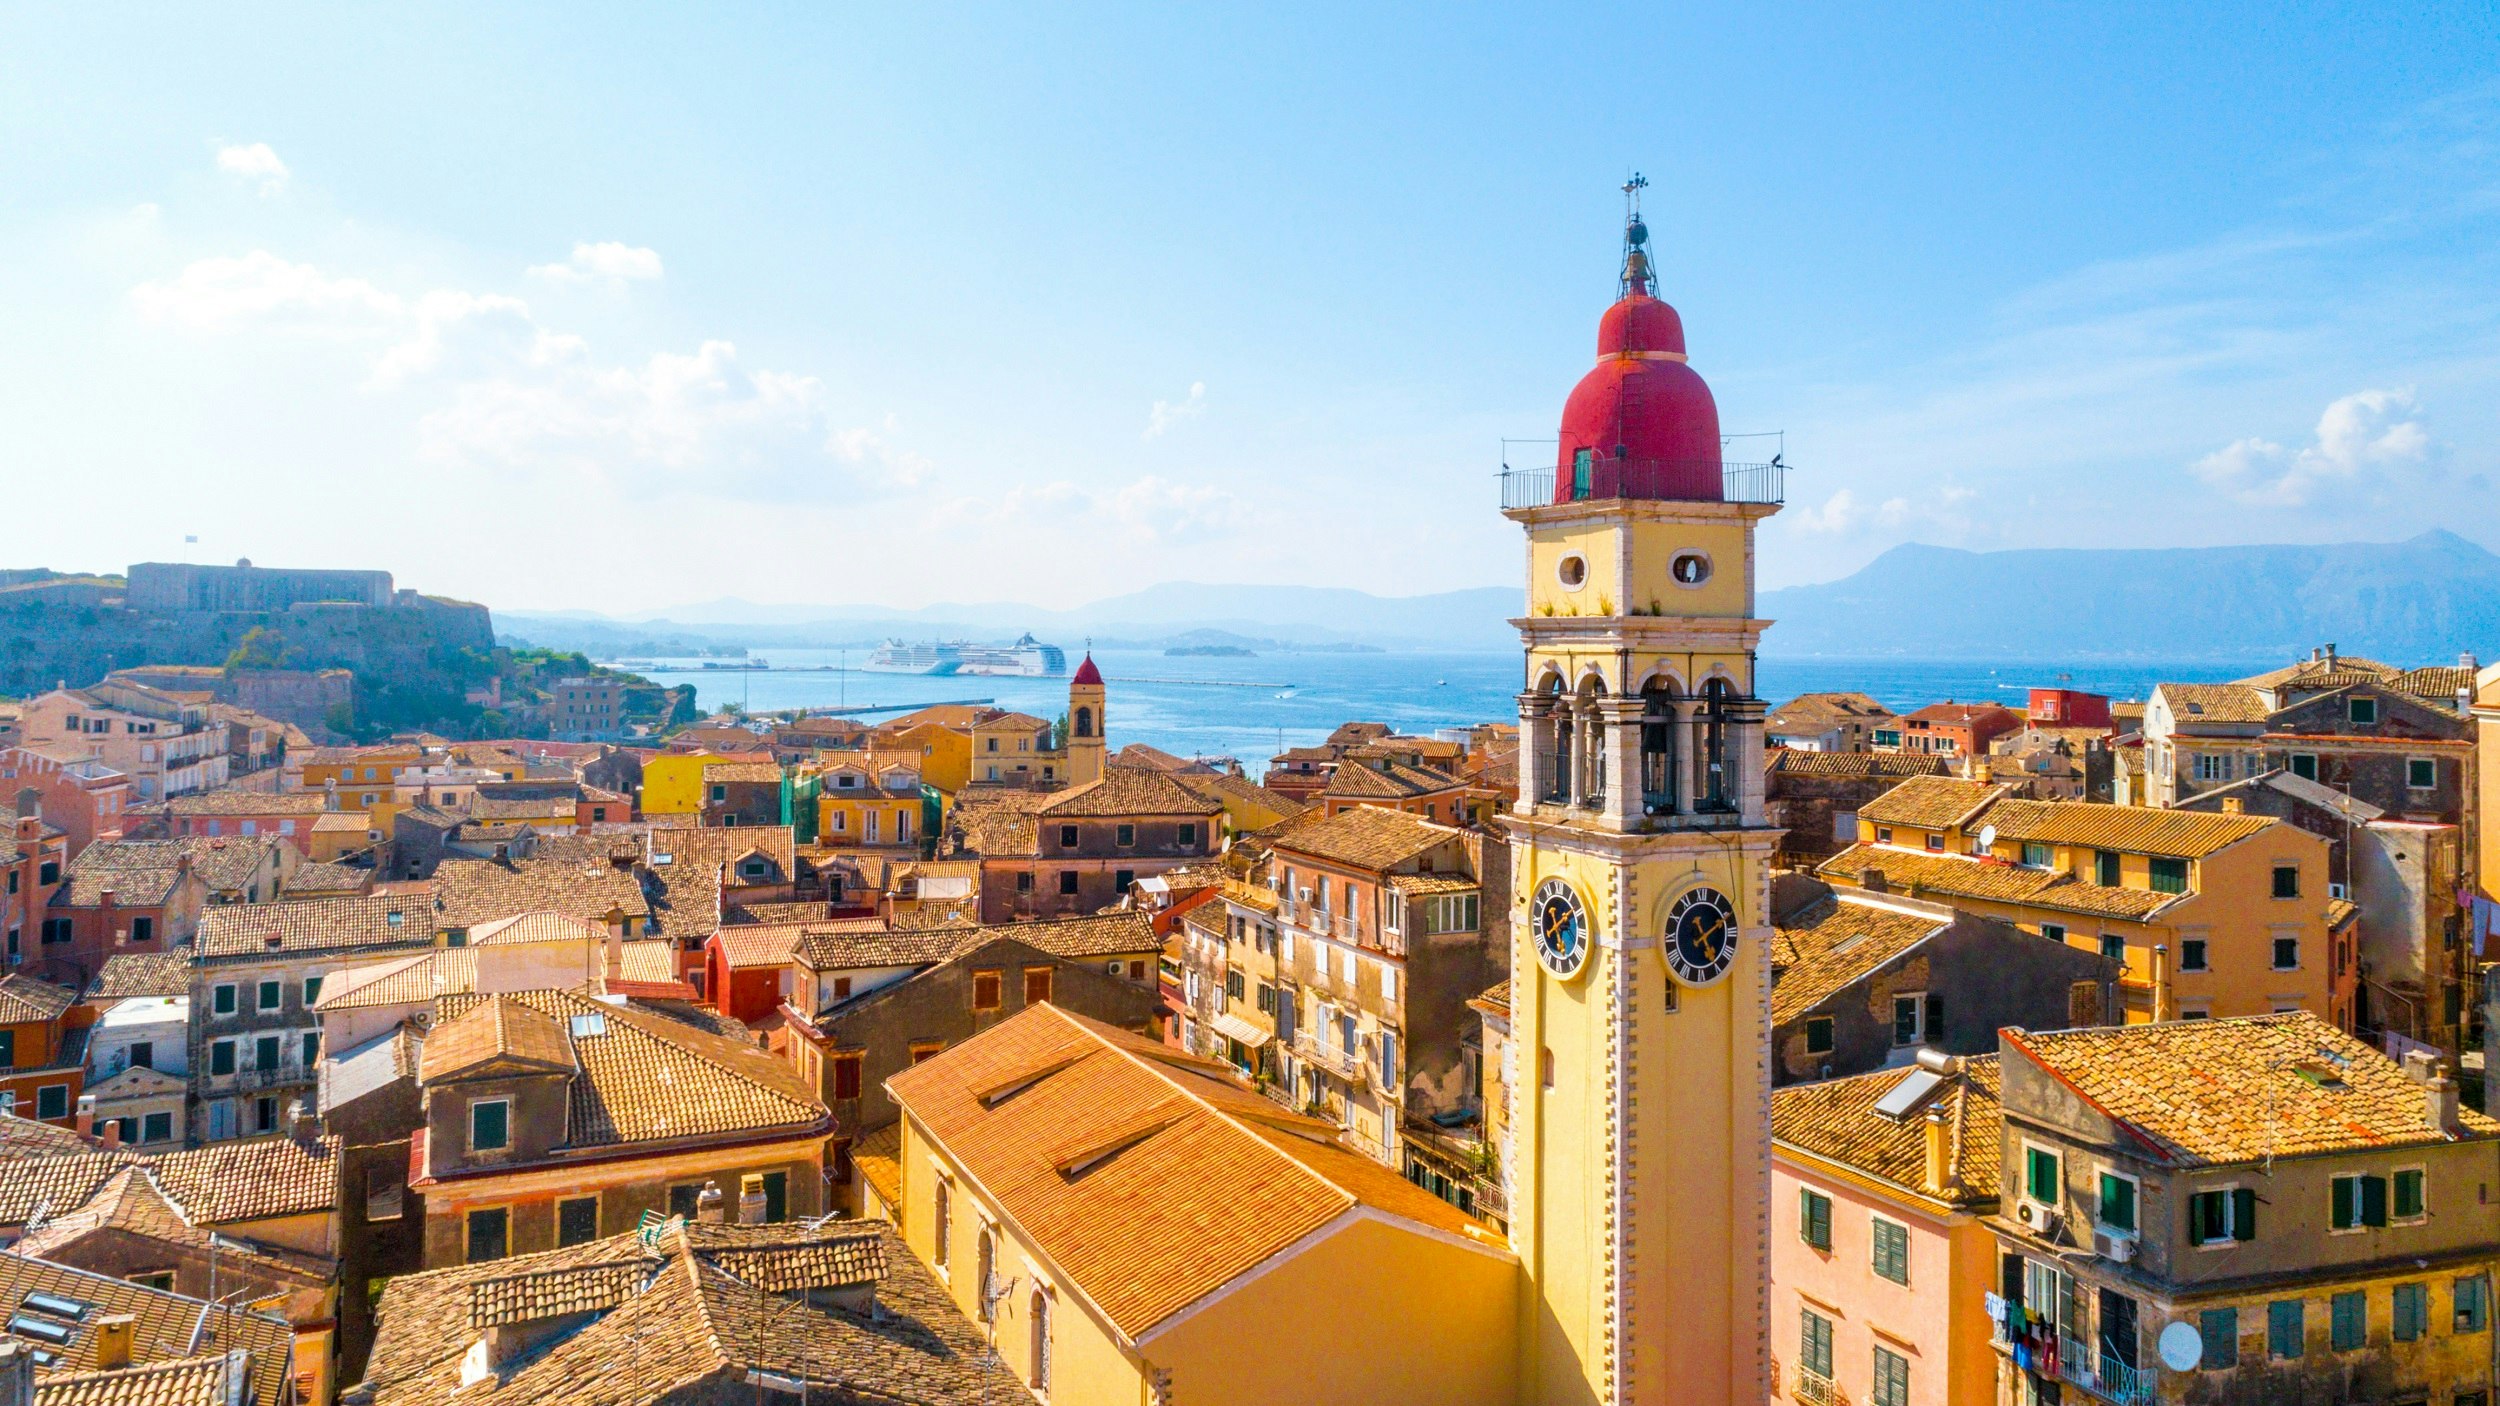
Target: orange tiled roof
1189, 1179
1834, 943
1930, 802
1958, 876
1836, 1121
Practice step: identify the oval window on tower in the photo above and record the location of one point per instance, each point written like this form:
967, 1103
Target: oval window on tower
1572, 571
1689, 568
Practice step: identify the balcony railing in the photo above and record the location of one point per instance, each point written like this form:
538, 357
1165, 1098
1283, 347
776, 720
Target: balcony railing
2103, 1375
1647, 478
1815, 1389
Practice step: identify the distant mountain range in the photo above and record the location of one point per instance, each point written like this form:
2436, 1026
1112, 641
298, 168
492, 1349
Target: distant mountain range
1178, 614
2418, 601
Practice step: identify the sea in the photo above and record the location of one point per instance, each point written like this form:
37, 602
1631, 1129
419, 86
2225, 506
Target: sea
1252, 708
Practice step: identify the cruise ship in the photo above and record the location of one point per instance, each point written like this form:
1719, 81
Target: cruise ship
1026, 658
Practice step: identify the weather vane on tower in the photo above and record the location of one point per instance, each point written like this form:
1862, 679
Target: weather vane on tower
1636, 275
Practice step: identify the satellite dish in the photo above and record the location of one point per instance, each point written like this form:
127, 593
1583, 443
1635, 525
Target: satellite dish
2182, 1347
1987, 837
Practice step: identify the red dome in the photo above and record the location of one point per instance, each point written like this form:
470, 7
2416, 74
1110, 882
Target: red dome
1087, 674
1644, 417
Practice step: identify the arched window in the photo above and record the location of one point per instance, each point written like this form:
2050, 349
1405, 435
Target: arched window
1714, 777
1041, 1342
986, 1261
942, 1214
1557, 759
1593, 745
1084, 722
1658, 779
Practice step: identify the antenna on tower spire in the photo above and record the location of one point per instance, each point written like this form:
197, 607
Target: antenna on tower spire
1636, 274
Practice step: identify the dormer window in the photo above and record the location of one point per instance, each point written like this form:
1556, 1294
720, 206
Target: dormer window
490, 1125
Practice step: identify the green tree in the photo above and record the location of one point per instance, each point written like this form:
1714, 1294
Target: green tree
263, 648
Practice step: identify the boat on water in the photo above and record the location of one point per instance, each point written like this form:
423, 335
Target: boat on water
1026, 658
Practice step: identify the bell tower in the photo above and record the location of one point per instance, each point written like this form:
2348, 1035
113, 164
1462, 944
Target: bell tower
1641, 937
1086, 725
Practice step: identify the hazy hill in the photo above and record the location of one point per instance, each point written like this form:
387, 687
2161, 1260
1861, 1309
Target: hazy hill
2418, 601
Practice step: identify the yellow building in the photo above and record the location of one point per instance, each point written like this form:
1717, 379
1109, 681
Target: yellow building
871, 801
1135, 1226
672, 782
1640, 1129
2214, 914
362, 774
1089, 724
945, 752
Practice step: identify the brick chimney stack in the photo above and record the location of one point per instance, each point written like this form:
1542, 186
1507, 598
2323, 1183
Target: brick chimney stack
708, 1204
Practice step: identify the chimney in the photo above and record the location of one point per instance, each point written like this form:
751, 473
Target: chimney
112, 1135
1873, 881
1939, 1152
2164, 999
1983, 770
85, 1119
2234, 805
30, 800
112, 1341
330, 794
2442, 1104
17, 1373
751, 1202
616, 952
302, 1123
707, 1204
2330, 654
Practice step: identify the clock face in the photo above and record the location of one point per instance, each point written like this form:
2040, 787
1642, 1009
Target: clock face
1562, 928
1701, 937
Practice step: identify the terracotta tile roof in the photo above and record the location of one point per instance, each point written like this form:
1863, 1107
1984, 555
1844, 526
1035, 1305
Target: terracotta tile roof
1956, 876
869, 942
1930, 802
2221, 1091
468, 892
2340, 911
2183, 834
2192, 703
496, 1036
756, 945
1387, 781
715, 773
1820, 712
24, 1137
1227, 790
538, 927
712, 1308
1367, 837
522, 808
132, 1202
1190, 1179
233, 1182
2344, 667
141, 873
328, 879
369, 923
879, 1158
2438, 684
1113, 933
1001, 824
24, 1000
1495, 1000
143, 974
167, 1329
1790, 762
1125, 791
804, 911
1959, 712
1433, 883
51, 1181
645, 1077
1836, 1121
1834, 943
181, 1381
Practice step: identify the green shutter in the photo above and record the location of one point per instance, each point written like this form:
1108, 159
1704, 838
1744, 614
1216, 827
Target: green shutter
2243, 1213
2342, 1197
2374, 1200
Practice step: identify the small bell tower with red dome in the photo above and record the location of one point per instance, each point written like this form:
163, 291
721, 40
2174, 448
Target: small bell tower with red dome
1639, 1142
1086, 725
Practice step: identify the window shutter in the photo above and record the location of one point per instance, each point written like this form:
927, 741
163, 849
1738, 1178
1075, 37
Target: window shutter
2374, 1200
1935, 1016
2244, 1213
2342, 1198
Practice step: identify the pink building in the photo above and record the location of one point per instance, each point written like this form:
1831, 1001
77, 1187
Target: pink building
84, 797
1880, 1255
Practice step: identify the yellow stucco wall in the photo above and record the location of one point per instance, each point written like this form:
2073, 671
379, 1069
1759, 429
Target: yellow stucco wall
672, 783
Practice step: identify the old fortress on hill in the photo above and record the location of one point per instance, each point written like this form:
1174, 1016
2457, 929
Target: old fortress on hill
391, 1016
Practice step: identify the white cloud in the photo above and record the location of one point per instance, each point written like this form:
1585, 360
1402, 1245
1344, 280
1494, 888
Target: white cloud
220, 294
608, 262
2362, 441
255, 162
1152, 508
498, 388
1167, 413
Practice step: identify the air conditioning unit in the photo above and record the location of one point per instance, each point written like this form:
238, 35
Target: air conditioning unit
2114, 1246
2047, 1224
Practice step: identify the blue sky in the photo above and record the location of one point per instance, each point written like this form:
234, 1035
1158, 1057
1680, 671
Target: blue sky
616, 307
